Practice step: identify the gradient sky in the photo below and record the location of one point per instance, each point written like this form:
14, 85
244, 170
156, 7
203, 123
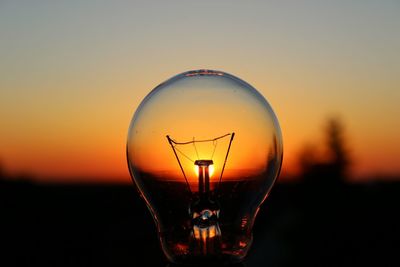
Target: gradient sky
72, 74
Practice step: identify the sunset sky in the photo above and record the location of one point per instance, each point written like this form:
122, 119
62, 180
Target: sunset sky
72, 74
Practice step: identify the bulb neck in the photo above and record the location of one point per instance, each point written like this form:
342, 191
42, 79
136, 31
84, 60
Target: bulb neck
206, 233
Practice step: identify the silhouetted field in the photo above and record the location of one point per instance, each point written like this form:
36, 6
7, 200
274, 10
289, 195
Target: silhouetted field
299, 225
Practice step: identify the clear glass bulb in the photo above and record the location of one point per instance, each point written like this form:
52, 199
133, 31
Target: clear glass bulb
204, 149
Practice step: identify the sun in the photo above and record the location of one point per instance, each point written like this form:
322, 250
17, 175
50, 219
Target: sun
211, 170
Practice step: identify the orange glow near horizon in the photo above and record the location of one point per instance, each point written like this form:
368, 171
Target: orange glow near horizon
165, 164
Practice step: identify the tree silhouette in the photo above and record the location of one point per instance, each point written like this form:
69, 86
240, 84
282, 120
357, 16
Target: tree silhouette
337, 148
331, 166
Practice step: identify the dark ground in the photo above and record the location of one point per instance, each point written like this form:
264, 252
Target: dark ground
298, 225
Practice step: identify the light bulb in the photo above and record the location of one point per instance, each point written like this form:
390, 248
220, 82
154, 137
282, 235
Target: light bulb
204, 149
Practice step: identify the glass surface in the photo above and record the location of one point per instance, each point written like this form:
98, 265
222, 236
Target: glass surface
204, 148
